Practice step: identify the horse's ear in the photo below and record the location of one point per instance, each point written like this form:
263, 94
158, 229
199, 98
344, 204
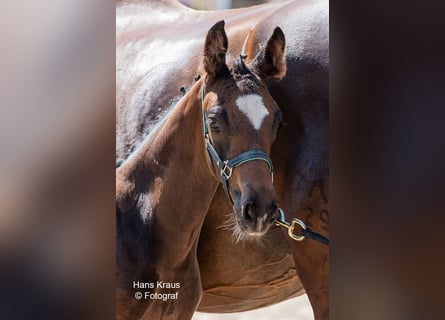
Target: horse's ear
271, 60
215, 49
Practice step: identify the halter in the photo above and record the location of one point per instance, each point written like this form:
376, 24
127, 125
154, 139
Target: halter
226, 166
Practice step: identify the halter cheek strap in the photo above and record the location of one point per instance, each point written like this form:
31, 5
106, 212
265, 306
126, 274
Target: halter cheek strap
226, 166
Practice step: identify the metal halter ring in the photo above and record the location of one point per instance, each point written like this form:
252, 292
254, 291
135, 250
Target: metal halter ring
305, 231
226, 170
290, 226
290, 231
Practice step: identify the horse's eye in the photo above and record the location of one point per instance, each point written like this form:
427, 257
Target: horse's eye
213, 124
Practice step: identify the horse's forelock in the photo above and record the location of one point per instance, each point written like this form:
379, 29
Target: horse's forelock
240, 68
245, 79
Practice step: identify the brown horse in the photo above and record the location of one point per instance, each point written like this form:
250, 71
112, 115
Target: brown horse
158, 56
165, 188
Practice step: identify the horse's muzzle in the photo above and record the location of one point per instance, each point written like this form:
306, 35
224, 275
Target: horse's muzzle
257, 219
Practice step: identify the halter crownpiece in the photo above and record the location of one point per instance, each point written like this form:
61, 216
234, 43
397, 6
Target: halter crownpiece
226, 166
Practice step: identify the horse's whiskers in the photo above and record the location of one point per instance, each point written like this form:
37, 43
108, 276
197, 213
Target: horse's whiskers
240, 236
226, 225
230, 223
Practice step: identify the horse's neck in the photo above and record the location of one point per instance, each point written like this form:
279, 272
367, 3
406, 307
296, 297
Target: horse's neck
168, 179
177, 139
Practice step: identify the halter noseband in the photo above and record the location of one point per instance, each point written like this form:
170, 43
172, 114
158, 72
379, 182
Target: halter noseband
226, 166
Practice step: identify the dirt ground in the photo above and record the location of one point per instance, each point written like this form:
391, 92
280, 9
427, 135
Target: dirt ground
293, 309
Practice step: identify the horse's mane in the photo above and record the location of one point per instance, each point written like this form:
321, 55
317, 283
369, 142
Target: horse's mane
239, 67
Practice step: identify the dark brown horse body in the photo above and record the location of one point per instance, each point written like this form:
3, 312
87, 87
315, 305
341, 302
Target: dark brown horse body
159, 48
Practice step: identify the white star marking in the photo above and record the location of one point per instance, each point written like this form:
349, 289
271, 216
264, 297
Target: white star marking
252, 106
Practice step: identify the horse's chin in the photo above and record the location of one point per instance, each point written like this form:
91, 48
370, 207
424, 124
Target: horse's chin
240, 235
242, 232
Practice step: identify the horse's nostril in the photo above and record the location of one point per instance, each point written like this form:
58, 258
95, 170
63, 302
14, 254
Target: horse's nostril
274, 207
273, 217
273, 213
249, 213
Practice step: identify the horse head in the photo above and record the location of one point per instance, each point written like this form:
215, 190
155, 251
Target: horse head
241, 121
